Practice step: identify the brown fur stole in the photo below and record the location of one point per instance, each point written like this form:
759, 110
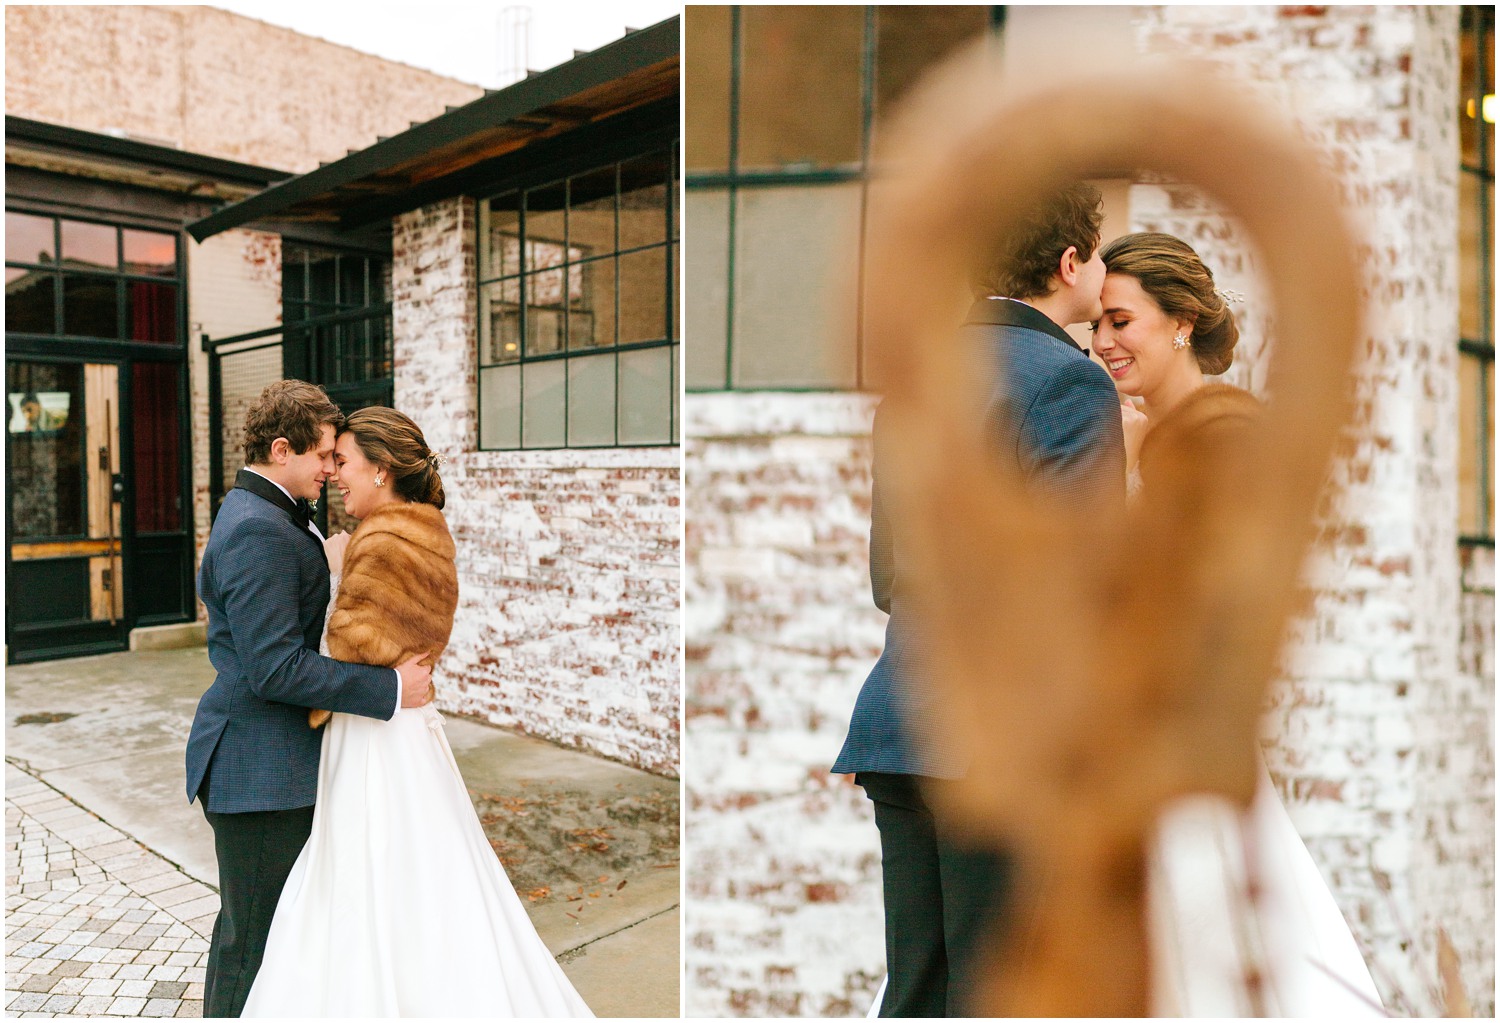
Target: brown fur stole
398, 591
1211, 423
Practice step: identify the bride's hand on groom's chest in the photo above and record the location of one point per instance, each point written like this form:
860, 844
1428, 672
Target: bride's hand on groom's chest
333, 547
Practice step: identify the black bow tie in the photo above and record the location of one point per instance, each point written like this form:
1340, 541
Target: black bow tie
304, 512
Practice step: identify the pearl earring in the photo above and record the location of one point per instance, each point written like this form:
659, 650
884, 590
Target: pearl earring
1180, 341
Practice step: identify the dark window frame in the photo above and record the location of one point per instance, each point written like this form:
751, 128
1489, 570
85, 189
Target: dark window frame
58, 272
352, 356
669, 246
1477, 22
731, 181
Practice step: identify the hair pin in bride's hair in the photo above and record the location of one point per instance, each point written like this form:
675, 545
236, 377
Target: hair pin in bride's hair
1229, 296
437, 460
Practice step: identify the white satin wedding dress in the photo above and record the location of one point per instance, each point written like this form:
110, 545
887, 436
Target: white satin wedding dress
1207, 933
397, 905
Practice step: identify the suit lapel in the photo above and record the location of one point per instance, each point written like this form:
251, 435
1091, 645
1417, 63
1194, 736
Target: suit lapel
270, 492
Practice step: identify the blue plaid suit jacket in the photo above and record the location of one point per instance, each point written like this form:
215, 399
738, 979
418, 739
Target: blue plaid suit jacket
264, 580
1055, 417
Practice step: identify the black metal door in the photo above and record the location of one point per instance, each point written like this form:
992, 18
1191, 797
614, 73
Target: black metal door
66, 557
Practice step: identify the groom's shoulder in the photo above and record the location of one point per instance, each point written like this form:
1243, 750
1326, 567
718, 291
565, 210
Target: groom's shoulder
244, 518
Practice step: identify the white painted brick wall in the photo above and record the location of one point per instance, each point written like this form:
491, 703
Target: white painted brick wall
569, 561
1379, 736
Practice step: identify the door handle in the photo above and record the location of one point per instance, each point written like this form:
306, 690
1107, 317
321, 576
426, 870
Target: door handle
117, 487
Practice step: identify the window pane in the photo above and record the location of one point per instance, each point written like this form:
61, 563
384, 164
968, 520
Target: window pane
1476, 383
351, 281
1474, 83
29, 298
150, 252
591, 304
45, 472
676, 393
500, 232
85, 244
1476, 247
293, 280
909, 40
643, 201
546, 222
646, 396
794, 247
591, 220
705, 74
500, 408
29, 239
91, 306
800, 93
705, 280
544, 403
544, 312
322, 283
500, 321
643, 295
591, 401
151, 312
156, 416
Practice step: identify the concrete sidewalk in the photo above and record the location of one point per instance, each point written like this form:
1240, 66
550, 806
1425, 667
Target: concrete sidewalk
107, 865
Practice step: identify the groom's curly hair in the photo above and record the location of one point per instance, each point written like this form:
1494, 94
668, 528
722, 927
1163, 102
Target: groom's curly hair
1021, 264
293, 409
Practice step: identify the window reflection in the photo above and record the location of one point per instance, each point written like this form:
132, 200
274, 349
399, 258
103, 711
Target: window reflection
569, 270
90, 245
90, 306
150, 252
45, 470
29, 239
29, 301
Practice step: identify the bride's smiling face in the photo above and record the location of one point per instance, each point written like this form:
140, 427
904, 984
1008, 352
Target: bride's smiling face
1133, 338
355, 477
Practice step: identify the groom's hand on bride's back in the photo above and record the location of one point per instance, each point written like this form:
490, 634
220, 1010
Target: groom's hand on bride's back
416, 680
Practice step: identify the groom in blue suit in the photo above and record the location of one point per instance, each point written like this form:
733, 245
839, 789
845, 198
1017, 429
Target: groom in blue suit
1054, 417
252, 759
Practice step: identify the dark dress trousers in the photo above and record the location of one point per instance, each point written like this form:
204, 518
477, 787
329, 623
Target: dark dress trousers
1054, 418
252, 760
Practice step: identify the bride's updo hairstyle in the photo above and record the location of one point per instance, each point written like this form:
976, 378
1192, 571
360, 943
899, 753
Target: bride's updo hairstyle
1170, 272
390, 439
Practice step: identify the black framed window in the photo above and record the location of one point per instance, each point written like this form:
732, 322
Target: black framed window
1476, 238
781, 103
335, 309
69, 277
578, 319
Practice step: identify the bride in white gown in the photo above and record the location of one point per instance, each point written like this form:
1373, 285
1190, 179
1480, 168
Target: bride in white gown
397, 906
1241, 920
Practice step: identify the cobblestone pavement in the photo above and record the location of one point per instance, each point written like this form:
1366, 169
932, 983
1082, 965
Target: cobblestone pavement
97, 925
